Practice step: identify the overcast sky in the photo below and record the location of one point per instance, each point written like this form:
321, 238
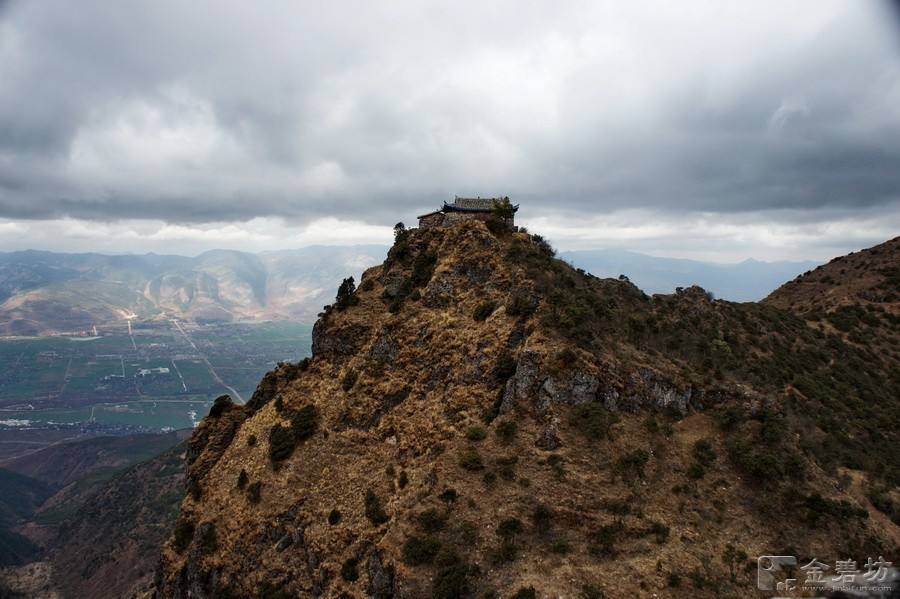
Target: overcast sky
713, 130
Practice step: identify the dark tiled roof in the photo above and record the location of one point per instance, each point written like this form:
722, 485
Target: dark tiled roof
472, 204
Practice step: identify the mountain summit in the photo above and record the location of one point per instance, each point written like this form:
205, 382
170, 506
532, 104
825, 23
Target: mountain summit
479, 419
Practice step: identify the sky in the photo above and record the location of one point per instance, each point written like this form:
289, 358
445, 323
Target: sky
707, 130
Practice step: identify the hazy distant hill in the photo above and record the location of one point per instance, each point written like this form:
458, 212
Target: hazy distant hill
747, 281
42, 292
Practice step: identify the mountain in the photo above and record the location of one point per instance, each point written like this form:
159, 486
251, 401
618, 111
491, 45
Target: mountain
19, 497
479, 419
746, 281
94, 512
44, 292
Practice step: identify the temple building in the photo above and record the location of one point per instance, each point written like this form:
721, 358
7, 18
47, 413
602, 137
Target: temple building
467, 209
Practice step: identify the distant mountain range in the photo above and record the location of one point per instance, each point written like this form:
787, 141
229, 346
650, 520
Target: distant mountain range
747, 281
46, 292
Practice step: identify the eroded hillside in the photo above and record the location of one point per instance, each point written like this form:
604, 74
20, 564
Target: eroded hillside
480, 418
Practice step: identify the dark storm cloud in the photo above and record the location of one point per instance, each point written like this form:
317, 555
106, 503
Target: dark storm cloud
211, 111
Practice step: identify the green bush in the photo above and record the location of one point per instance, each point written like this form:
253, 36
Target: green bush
484, 310
476, 433
305, 422
631, 465
504, 368
589, 591
542, 517
506, 467
367, 285
452, 580
470, 459
420, 550
243, 479
334, 516
602, 543
207, 538
525, 593
448, 496
506, 431
374, 511
350, 569
349, 379
423, 268
509, 528
254, 492
184, 534
431, 520
593, 420
222, 403
281, 443
346, 294
403, 479
520, 304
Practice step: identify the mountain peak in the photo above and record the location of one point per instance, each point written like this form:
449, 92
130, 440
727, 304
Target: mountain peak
479, 417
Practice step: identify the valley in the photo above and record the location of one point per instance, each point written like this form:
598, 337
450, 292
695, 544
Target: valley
132, 377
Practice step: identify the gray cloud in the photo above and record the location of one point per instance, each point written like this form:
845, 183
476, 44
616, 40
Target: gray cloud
216, 111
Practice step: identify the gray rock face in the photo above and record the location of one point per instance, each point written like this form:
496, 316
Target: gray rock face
335, 344
535, 386
439, 292
548, 438
381, 578
384, 349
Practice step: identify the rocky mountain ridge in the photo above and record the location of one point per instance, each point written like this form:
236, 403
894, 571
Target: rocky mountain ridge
479, 419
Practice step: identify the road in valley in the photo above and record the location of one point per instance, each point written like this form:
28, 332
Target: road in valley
202, 356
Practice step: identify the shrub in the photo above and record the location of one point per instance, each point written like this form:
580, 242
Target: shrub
453, 577
374, 512
367, 285
476, 433
431, 520
448, 495
281, 443
483, 310
420, 550
184, 534
349, 379
525, 593
506, 431
350, 569
403, 479
631, 465
254, 492
243, 479
471, 460
334, 516
305, 422
703, 452
589, 591
542, 517
251, 441
603, 540
194, 489
423, 268
593, 420
504, 368
509, 528
506, 467
221, 403
520, 304
346, 294
206, 540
